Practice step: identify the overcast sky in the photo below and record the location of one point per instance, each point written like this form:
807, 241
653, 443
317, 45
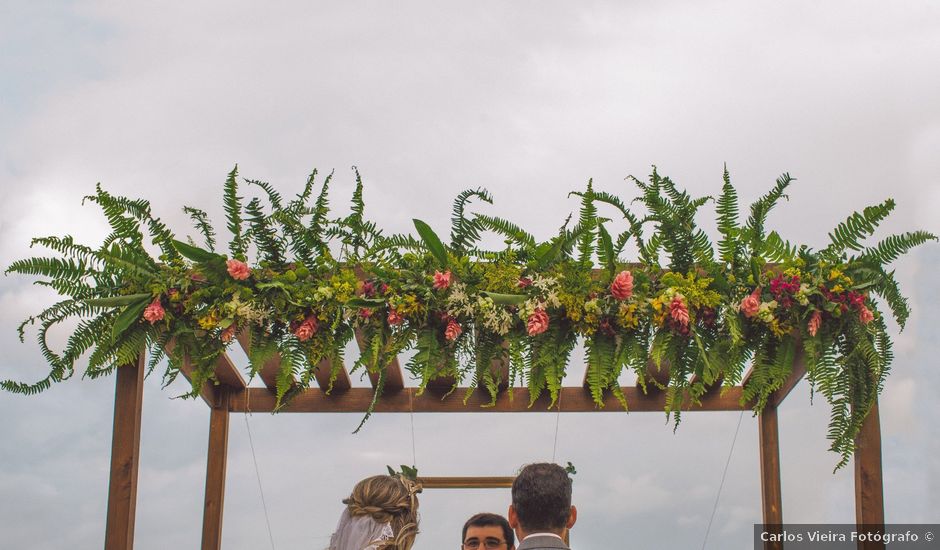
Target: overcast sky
528, 99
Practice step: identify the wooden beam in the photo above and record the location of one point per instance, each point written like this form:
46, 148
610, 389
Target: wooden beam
576, 399
322, 374
797, 374
492, 482
271, 367
869, 487
394, 379
187, 369
771, 499
215, 471
125, 456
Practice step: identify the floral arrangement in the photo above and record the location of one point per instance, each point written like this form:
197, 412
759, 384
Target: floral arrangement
700, 313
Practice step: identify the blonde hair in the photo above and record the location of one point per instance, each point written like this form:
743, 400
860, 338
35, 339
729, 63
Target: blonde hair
388, 499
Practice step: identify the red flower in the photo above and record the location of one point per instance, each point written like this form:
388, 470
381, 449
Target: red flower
865, 315
524, 282
441, 280
237, 269
368, 289
679, 311
622, 286
228, 333
154, 311
537, 323
453, 330
394, 318
814, 323
751, 304
365, 312
306, 329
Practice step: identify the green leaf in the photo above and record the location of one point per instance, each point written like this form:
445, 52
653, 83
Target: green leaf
432, 241
195, 253
365, 302
115, 301
128, 317
606, 249
505, 299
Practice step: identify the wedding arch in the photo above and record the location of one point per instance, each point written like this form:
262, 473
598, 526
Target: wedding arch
732, 327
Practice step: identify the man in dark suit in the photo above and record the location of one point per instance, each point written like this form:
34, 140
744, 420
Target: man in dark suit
541, 512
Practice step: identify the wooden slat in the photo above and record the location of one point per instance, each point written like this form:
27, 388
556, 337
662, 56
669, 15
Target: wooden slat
125, 456
797, 374
394, 378
215, 471
869, 486
322, 374
225, 371
269, 370
492, 482
576, 399
771, 496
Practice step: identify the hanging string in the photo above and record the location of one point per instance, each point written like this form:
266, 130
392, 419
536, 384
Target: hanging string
722, 484
411, 407
557, 421
254, 458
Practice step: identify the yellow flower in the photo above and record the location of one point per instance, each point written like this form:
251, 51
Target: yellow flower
626, 316
834, 274
209, 322
837, 288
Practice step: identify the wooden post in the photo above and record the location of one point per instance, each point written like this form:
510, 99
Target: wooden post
215, 471
125, 456
869, 489
771, 499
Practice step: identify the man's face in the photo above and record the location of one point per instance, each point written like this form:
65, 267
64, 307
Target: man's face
485, 538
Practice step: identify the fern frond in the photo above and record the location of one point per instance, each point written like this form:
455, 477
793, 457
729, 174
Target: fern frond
232, 205
856, 227
201, 220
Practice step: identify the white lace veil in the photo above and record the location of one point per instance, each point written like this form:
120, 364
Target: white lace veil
359, 533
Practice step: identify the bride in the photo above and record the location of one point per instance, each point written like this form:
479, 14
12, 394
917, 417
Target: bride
381, 514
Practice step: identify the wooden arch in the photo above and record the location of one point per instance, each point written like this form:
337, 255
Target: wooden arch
232, 394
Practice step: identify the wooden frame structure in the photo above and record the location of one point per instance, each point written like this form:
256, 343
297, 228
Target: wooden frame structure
232, 394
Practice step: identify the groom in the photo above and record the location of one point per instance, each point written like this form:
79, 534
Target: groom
541, 512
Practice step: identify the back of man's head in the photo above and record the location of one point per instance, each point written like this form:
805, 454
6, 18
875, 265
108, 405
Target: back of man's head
541, 497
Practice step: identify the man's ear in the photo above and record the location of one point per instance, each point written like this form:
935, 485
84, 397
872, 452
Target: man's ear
512, 517
572, 517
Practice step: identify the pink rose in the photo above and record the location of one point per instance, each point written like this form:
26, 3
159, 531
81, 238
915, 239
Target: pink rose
394, 318
814, 323
154, 311
237, 269
441, 280
865, 315
622, 287
228, 333
679, 312
751, 304
453, 330
306, 329
537, 323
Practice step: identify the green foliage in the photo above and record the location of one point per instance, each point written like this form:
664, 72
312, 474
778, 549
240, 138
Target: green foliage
523, 306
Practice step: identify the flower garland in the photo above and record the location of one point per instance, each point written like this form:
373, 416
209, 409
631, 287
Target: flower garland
702, 316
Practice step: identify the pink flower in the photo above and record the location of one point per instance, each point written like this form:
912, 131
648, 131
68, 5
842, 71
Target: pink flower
365, 312
538, 322
237, 269
751, 303
814, 323
622, 287
679, 312
228, 333
865, 315
441, 280
306, 329
524, 282
154, 311
453, 330
394, 318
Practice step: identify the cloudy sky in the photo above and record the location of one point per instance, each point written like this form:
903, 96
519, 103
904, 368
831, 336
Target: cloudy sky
529, 100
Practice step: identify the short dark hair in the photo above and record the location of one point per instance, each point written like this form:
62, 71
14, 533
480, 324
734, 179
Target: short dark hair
486, 519
541, 497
